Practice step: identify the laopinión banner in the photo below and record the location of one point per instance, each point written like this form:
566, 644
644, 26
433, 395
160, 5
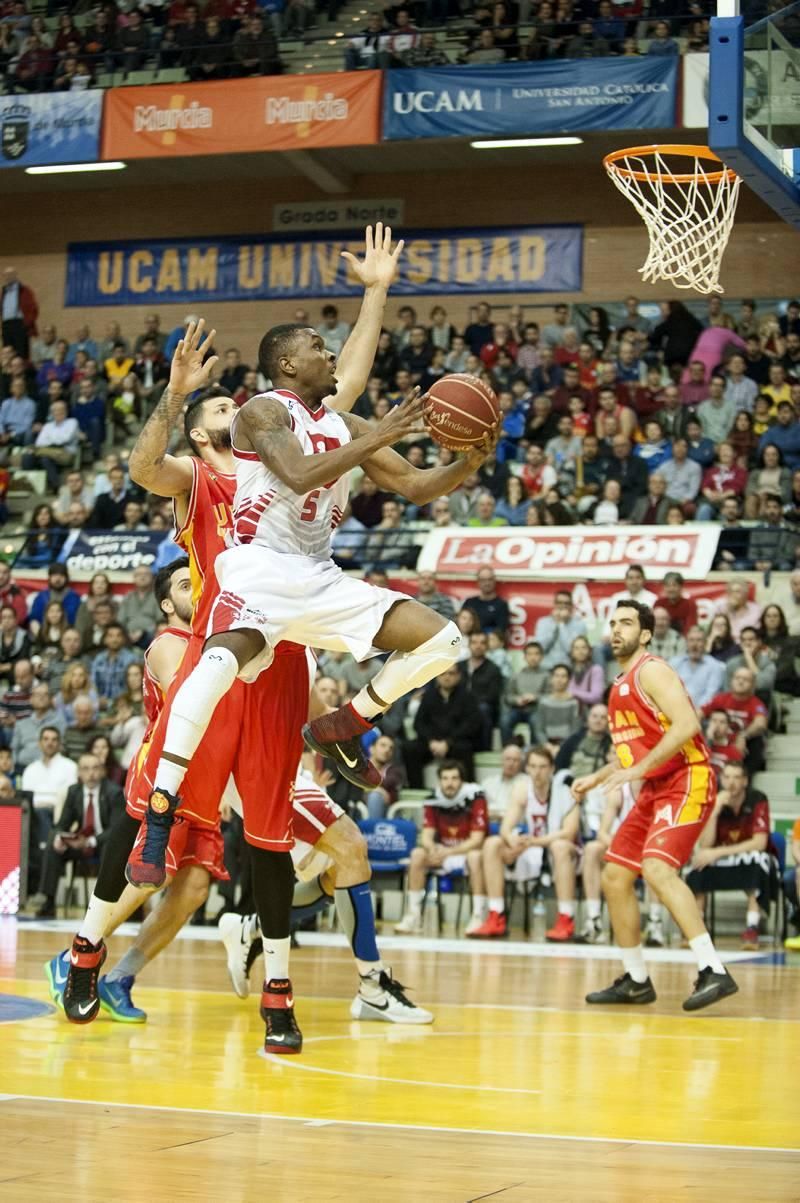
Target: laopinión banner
529, 259
571, 552
522, 98
56, 127
286, 112
110, 551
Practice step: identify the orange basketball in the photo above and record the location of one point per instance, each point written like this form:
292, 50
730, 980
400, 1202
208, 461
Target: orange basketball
462, 409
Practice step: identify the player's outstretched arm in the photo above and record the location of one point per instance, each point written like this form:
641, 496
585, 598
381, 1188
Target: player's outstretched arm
665, 689
421, 485
376, 271
264, 426
150, 466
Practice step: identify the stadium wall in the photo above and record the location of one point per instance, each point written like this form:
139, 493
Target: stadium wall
759, 262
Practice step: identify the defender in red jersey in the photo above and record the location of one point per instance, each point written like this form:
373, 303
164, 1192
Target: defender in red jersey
662, 754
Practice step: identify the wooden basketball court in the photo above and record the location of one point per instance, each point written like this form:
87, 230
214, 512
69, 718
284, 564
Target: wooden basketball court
518, 1091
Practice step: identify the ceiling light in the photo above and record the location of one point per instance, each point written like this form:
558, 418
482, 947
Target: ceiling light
514, 143
74, 168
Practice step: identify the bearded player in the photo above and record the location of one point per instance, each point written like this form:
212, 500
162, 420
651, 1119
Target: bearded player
202, 488
662, 754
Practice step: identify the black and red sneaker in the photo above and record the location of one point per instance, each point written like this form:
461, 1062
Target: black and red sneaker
81, 1001
146, 867
338, 737
277, 1010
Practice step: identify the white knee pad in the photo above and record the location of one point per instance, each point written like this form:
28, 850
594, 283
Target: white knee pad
405, 671
209, 681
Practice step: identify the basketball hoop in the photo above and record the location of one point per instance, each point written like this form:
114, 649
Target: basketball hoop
689, 213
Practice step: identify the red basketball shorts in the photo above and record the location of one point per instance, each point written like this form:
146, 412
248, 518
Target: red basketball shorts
667, 818
254, 736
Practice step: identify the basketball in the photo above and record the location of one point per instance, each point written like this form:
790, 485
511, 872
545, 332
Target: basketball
462, 410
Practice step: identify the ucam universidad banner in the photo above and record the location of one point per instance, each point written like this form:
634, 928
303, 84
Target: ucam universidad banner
56, 127
284, 112
282, 267
531, 98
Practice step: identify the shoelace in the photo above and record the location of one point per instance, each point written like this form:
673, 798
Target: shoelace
396, 989
84, 984
156, 836
280, 1021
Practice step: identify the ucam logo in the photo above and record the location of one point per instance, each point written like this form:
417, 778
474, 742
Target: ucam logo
463, 101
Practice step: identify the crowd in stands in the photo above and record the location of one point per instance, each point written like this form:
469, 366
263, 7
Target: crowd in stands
69, 47
604, 421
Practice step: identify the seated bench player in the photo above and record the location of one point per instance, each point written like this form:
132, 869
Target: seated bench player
454, 827
531, 824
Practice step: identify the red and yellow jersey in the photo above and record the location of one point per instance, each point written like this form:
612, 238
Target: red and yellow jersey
637, 725
204, 534
153, 693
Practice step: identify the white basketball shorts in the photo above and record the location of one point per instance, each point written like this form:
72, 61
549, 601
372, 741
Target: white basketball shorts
306, 601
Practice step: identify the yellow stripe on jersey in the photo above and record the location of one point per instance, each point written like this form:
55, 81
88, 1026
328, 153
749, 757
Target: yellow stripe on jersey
697, 794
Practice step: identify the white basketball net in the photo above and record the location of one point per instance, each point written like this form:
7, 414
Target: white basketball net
689, 223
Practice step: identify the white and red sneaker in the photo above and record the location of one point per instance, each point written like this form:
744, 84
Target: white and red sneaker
495, 924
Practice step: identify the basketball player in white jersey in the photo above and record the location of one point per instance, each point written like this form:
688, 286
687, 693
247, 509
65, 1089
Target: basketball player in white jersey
528, 808
278, 581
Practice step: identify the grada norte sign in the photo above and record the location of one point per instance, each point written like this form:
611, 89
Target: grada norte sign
570, 552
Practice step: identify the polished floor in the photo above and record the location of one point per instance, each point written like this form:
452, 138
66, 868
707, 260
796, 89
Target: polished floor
518, 1091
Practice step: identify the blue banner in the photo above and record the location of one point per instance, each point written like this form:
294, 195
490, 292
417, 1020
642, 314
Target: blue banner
526, 98
56, 127
527, 259
110, 551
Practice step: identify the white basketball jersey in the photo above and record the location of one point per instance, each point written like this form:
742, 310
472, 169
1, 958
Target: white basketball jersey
536, 813
270, 514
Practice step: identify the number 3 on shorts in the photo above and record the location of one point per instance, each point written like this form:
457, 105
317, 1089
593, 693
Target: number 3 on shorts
309, 510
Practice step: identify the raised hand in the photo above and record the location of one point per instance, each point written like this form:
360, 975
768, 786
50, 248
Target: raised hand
379, 265
188, 372
483, 449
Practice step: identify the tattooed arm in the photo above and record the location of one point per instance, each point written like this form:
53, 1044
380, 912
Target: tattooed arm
264, 426
392, 472
150, 466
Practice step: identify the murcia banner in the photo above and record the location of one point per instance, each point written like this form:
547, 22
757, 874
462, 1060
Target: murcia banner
286, 112
531, 98
579, 553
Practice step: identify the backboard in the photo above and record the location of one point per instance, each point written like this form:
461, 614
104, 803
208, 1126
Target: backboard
754, 98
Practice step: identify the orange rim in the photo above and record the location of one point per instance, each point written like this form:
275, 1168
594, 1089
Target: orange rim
611, 164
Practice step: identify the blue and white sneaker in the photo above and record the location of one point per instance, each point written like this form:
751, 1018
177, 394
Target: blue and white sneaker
115, 999
56, 972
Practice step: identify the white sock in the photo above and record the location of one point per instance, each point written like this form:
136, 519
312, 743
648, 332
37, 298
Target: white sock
191, 713
498, 905
594, 908
753, 919
480, 905
415, 901
654, 913
633, 962
567, 908
95, 921
276, 958
404, 671
369, 984
706, 954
